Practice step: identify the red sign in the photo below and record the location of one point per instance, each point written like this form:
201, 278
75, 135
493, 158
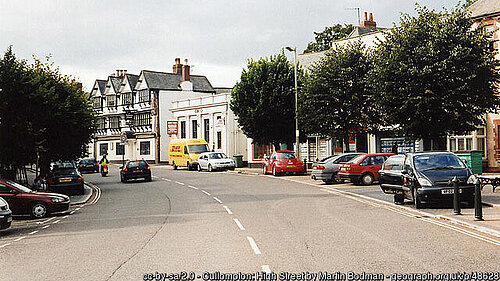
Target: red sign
172, 127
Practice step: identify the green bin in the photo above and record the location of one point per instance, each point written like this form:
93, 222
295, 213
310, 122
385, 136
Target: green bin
473, 159
238, 160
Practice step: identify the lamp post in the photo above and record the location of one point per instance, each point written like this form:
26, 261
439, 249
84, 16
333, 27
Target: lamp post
297, 144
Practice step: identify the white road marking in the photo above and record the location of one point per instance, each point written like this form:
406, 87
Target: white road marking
56, 221
254, 245
217, 199
78, 209
266, 269
227, 209
19, 239
181, 183
238, 223
45, 226
65, 216
5, 245
72, 212
193, 187
42, 222
205, 192
33, 232
168, 180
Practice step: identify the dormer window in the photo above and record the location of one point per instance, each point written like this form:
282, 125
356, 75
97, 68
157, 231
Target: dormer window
144, 95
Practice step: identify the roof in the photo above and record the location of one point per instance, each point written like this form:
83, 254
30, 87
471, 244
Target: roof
101, 84
483, 8
132, 80
171, 81
358, 31
115, 81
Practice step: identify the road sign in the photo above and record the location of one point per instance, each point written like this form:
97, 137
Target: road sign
172, 127
123, 137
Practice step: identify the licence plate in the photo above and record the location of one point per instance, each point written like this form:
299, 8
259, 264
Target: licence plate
137, 171
289, 166
343, 169
9, 219
449, 191
64, 180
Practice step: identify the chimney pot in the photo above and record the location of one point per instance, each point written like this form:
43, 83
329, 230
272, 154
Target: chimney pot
177, 66
365, 18
185, 72
371, 17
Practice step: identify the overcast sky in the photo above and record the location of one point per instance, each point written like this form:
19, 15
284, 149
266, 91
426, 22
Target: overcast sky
91, 39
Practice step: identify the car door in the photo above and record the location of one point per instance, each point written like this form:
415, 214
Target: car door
205, 159
13, 198
390, 176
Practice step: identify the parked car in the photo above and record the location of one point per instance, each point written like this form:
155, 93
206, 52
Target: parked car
426, 177
391, 178
328, 168
88, 165
5, 214
24, 201
64, 178
283, 161
363, 169
138, 169
211, 161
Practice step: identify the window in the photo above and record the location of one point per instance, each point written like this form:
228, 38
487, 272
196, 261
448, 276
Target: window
489, 30
394, 163
206, 129
142, 119
4, 189
111, 100
365, 162
219, 140
97, 102
103, 149
120, 149
127, 99
194, 129
144, 95
183, 129
114, 122
101, 124
144, 148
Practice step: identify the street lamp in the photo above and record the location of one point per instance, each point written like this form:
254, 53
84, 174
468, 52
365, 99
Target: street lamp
297, 144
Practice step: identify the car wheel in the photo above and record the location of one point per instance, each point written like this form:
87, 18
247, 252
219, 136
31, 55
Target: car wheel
367, 179
399, 199
416, 200
148, 178
38, 210
175, 166
199, 168
210, 169
188, 166
123, 179
264, 172
274, 171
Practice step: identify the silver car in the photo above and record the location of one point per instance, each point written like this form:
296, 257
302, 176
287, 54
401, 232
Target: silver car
328, 168
5, 214
212, 161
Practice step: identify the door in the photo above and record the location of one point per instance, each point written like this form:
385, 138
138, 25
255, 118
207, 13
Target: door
203, 162
13, 198
390, 176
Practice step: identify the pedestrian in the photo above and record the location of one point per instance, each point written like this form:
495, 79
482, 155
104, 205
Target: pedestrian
394, 148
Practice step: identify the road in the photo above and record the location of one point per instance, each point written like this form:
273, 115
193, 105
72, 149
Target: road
208, 222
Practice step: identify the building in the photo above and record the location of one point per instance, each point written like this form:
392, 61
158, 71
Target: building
133, 111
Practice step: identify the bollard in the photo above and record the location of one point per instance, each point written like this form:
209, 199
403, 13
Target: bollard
478, 205
456, 196
305, 165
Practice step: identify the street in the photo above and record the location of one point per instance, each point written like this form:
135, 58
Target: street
208, 222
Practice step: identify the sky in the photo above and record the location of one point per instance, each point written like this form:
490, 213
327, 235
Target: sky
91, 39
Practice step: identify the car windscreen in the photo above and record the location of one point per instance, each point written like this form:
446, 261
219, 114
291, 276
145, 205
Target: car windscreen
20, 187
327, 158
217, 156
63, 165
137, 164
88, 161
197, 148
65, 172
428, 162
356, 159
286, 155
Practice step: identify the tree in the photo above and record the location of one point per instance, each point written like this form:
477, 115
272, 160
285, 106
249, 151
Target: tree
264, 100
434, 75
323, 40
334, 100
44, 115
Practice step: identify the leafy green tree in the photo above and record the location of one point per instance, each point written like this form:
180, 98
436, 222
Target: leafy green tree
323, 40
264, 100
334, 101
434, 75
44, 115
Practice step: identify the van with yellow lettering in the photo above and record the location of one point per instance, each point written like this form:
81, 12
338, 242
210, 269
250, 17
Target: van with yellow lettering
185, 152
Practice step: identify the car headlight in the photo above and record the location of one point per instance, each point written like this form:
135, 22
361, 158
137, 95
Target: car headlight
472, 179
57, 200
424, 182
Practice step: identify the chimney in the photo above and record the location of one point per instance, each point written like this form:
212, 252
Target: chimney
117, 73
177, 66
185, 71
368, 21
124, 72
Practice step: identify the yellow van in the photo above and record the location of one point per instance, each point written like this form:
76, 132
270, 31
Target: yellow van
185, 152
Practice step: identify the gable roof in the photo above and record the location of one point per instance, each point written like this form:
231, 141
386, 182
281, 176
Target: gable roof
483, 8
171, 81
132, 80
115, 82
101, 85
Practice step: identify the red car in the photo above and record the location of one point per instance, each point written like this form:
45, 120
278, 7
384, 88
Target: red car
282, 162
24, 201
363, 168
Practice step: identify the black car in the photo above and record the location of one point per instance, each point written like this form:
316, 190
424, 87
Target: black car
88, 165
135, 170
425, 177
5, 214
64, 178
